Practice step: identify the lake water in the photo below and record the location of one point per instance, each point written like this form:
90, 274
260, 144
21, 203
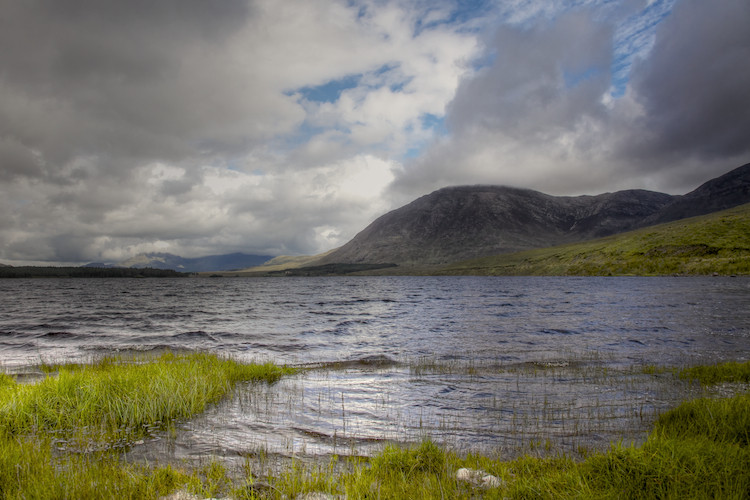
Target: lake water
476, 363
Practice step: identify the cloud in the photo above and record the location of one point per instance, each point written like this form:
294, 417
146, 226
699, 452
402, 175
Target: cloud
546, 112
532, 111
694, 86
285, 127
120, 120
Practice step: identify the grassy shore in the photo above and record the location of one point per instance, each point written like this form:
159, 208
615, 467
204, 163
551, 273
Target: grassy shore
715, 243
61, 438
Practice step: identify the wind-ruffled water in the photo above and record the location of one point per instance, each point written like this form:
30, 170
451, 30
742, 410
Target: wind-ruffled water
477, 364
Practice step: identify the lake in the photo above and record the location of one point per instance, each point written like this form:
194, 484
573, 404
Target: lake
479, 364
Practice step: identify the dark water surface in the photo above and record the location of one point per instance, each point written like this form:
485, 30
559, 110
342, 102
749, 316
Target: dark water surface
478, 364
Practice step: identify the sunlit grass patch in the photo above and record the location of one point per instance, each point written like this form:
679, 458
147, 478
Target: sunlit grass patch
87, 411
713, 243
114, 400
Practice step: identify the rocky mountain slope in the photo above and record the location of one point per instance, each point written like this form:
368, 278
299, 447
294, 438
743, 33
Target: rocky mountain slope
729, 190
717, 243
465, 222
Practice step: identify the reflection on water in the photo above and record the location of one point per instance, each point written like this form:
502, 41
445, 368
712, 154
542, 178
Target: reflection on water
495, 365
561, 407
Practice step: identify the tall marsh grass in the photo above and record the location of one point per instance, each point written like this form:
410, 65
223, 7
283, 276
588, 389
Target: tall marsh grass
111, 397
89, 411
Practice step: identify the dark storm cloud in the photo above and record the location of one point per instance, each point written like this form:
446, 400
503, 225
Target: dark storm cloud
537, 106
86, 77
695, 86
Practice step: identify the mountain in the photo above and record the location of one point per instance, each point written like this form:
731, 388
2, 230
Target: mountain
727, 191
465, 222
715, 243
226, 262
459, 223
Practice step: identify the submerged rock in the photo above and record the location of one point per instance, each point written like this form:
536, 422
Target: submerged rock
478, 478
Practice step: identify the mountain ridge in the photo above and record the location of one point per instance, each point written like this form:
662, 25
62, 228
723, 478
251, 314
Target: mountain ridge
464, 222
716, 243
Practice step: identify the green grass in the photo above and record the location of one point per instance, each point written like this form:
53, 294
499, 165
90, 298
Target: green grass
113, 400
715, 243
716, 374
697, 450
91, 411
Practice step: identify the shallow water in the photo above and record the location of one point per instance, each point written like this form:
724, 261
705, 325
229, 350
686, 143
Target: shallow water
477, 364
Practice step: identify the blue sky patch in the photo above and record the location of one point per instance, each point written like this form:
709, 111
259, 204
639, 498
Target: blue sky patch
330, 91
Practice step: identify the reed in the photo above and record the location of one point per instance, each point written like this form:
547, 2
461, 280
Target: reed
697, 450
686, 456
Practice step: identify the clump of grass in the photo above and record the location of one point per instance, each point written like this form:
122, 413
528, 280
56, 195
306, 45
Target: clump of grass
697, 450
6, 380
107, 401
426, 458
718, 373
725, 420
110, 398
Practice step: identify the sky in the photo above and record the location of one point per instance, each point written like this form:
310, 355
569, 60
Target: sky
284, 127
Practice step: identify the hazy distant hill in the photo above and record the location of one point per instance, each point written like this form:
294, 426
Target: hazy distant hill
226, 262
459, 223
714, 243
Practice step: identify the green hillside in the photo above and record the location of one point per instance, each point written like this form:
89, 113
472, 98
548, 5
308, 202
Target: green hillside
715, 243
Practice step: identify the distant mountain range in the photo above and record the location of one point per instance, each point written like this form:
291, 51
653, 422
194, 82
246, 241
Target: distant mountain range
228, 262
459, 223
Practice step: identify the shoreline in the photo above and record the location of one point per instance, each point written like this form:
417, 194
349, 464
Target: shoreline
335, 474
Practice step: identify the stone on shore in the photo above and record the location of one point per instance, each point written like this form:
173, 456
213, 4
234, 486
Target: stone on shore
478, 478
